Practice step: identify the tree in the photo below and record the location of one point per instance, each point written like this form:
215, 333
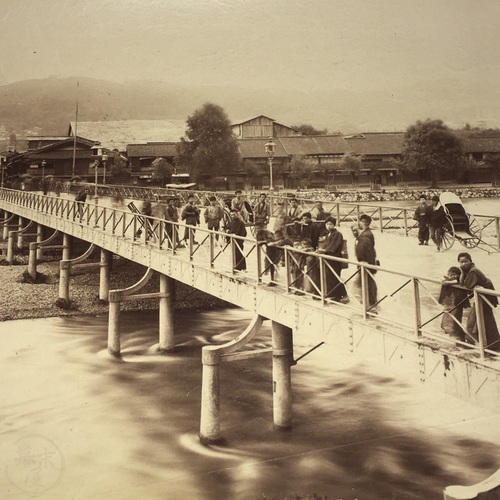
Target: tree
432, 146
162, 170
309, 130
117, 165
351, 164
210, 148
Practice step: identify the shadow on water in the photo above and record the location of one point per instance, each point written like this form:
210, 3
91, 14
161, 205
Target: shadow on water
352, 435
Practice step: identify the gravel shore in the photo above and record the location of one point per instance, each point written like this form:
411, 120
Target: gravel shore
20, 299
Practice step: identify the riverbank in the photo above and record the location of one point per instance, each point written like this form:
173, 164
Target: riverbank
397, 194
21, 299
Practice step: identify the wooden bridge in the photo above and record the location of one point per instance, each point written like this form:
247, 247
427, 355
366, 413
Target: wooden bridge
405, 336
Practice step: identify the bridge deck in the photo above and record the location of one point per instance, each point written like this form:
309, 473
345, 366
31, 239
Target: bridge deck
396, 335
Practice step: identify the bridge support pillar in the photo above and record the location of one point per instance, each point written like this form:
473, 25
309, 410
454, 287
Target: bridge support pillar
211, 356
166, 307
114, 345
104, 272
488, 489
210, 399
32, 260
282, 341
5, 232
39, 239
64, 273
20, 236
66, 253
10, 246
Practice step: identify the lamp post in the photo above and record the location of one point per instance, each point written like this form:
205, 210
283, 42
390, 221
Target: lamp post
96, 153
270, 147
3, 161
104, 159
44, 164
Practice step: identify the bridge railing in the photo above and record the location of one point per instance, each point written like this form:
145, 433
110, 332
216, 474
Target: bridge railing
406, 301
384, 218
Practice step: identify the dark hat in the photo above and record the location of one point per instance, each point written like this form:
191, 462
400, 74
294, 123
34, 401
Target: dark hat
306, 214
435, 198
212, 198
365, 217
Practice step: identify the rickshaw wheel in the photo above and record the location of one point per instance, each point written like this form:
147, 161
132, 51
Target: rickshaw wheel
475, 231
448, 238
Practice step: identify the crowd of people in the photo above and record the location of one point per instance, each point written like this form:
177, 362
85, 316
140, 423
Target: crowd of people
311, 234
457, 294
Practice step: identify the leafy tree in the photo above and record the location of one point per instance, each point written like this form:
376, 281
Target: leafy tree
210, 148
432, 146
162, 170
297, 167
309, 130
351, 164
118, 167
480, 132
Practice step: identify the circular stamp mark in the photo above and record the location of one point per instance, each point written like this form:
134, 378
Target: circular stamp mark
34, 464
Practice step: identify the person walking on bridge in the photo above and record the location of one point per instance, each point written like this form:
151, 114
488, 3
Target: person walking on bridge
471, 277
365, 252
191, 215
261, 212
214, 213
330, 242
237, 227
172, 216
80, 199
437, 220
421, 215
294, 211
454, 300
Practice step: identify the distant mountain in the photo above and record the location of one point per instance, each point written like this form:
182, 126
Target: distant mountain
48, 105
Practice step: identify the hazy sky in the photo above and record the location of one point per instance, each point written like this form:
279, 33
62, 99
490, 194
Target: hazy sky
308, 44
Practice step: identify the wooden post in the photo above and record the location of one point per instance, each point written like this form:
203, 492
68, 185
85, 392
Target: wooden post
166, 307
282, 381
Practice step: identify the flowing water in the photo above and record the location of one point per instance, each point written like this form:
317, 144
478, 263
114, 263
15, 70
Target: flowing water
76, 424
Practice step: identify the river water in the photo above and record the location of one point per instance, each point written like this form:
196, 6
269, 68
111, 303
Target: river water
76, 424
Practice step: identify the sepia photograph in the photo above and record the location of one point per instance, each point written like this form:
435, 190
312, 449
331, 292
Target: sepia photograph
250, 250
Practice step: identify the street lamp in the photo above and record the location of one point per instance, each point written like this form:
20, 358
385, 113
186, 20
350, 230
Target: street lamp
3, 161
270, 147
96, 150
104, 159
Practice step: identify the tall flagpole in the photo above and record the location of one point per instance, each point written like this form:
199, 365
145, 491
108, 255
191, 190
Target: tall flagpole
75, 132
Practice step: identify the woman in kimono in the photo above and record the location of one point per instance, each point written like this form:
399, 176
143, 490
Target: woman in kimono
470, 278
330, 242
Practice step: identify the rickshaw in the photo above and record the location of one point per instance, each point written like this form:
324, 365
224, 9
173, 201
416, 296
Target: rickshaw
459, 224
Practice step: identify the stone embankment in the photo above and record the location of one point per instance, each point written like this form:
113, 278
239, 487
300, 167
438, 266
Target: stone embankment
396, 195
